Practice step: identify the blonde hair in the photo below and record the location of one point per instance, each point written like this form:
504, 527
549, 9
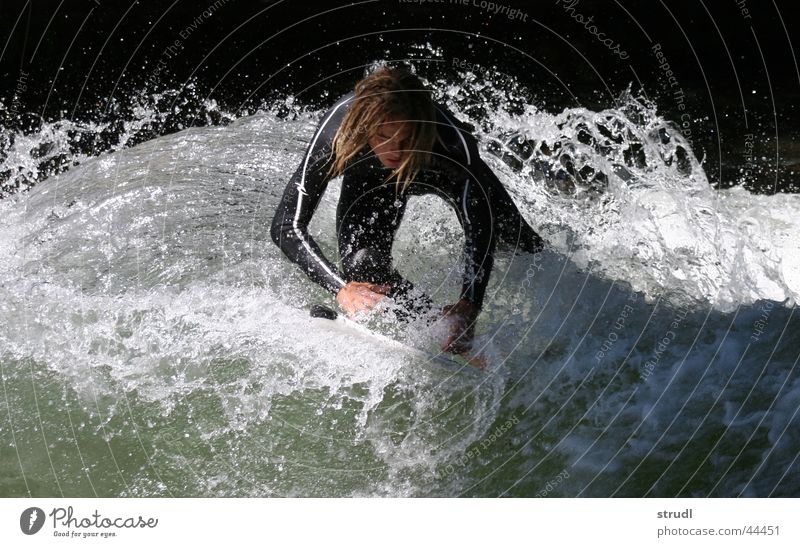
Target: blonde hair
388, 95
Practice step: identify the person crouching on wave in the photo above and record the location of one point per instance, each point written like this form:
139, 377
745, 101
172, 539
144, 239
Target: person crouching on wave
389, 141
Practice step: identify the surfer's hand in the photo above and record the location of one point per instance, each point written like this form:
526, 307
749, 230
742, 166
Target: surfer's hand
357, 296
462, 317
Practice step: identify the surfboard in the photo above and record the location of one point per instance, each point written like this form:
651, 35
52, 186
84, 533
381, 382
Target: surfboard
329, 315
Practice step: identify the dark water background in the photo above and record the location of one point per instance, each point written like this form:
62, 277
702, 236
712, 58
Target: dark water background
98, 61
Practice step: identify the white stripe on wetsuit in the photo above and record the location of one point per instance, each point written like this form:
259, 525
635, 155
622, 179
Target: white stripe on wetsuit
302, 192
460, 136
464, 202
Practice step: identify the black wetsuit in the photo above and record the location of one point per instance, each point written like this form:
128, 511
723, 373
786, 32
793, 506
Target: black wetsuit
370, 209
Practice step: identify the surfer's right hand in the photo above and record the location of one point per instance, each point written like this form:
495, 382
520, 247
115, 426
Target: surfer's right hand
357, 296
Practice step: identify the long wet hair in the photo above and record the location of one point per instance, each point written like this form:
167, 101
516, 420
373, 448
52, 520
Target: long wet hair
388, 95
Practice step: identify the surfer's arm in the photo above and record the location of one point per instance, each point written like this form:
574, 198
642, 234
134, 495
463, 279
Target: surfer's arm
479, 242
475, 215
460, 161
471, 200
300, 199
475, 212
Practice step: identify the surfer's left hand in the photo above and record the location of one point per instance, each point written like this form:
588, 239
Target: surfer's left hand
462, 317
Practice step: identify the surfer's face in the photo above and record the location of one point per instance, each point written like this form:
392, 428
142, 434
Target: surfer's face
390, 143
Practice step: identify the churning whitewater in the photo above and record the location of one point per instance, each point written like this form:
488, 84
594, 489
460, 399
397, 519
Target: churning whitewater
156, 342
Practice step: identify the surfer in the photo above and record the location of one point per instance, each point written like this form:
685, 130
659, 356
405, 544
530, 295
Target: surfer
389, 140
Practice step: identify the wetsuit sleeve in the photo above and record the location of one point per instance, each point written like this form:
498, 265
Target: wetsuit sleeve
479, 239
300, 199
473, 182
